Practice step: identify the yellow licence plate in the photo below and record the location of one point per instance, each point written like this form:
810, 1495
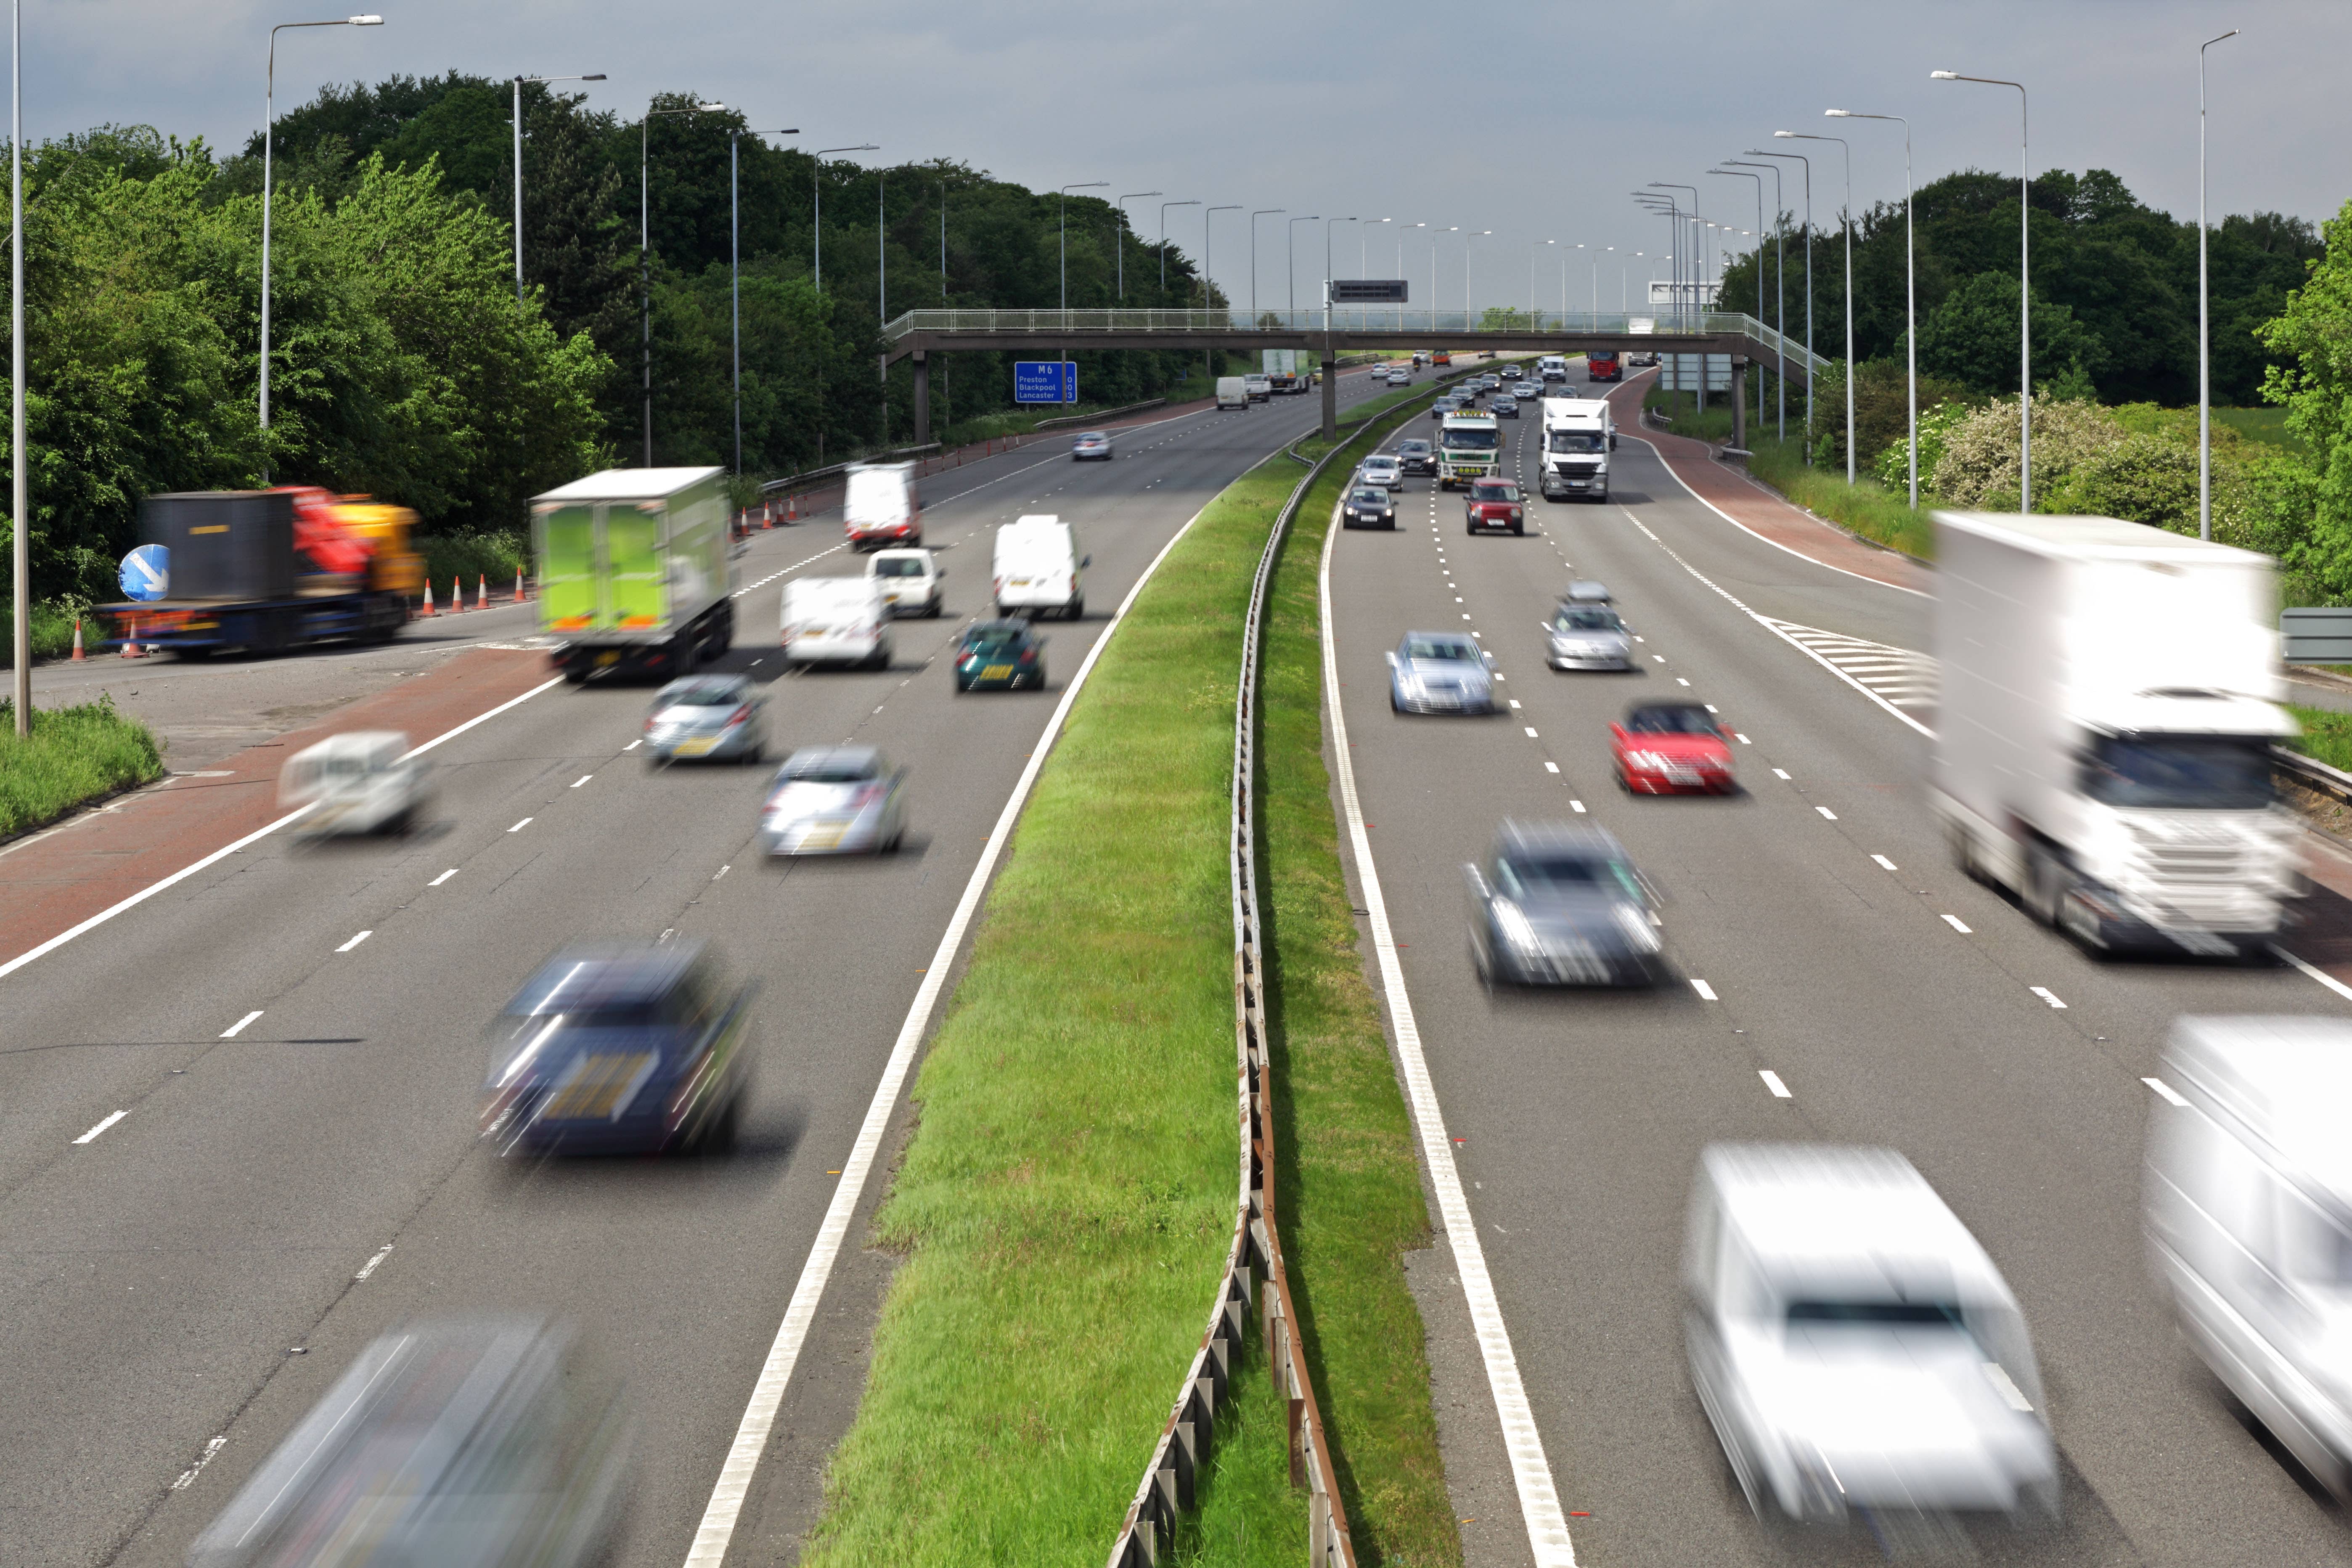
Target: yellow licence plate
821, 838
607, 657
995, 671
596, 1087
699, 746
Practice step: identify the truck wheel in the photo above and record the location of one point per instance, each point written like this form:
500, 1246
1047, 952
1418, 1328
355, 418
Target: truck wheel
1077, 610
2045, 886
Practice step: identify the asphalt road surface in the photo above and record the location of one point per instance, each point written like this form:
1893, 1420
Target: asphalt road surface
274, 1199
1896, 1005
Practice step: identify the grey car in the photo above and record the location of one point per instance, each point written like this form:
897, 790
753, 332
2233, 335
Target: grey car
1367, 505
833, 800
1559, 904
1587, 636
1505, 407
1444, 406
1382, 469
707, 718
1440, 672
1416, 456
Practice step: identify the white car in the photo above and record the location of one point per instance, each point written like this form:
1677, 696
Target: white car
834, 800
1094, 447
1400, 378
909, 579
1382, 469
357, 783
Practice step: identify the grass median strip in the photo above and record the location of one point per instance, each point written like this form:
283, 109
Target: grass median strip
73, 755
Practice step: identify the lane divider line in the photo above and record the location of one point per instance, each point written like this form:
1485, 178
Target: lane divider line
234, 1030
742, 1462
2317, 973
355, 941
1772, 1081
91, 1136
1705, 992
2045, 994
1546, 1525
1957, 924
442, 878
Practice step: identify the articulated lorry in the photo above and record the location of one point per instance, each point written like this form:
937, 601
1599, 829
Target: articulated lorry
2109, 695
1579, 433
1469, 446
633, 572
271, 570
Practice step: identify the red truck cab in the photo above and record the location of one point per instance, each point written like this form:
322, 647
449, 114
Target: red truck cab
1494, 504
1603, 366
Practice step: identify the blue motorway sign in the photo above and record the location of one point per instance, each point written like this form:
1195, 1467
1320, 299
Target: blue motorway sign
1045, 380
146, 574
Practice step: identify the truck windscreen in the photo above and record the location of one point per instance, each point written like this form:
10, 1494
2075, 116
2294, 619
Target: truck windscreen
1470, 440
2180, 773
1578, 441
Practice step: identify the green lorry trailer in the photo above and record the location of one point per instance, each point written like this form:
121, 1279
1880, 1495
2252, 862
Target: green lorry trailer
634, 576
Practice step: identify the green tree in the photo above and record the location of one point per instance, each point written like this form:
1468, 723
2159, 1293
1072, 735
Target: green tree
1972, 336
2314, 333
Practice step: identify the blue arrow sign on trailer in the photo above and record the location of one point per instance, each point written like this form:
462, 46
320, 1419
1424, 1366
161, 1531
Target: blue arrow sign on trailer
147, 574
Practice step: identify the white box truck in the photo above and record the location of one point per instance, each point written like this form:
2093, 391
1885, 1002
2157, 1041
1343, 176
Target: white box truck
837, 620
1037, 568
2249, 1220
1552, 367
1579, 434
2109, 695
1232, 391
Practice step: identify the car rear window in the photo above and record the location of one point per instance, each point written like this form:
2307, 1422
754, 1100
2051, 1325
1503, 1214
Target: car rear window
902, 567
832, 770
992, 641
704, 694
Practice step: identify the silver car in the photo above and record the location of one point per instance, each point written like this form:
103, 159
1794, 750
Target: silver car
1382, 469
834, 800
1587, 590
1587, 636
1440, 672
1400, 378
707, 718
1563, 905
1095, 446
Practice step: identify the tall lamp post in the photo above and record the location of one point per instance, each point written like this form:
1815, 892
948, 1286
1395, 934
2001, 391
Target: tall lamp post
1364, 245
735, 283
1450, 228
1290, 254
817, 189
2204, 337
1810, 371
21, 545
1261, 212
1910, 290
269, 126
1848, 151
1469, 322
1328, 273
1163, 242
2024, 282
1209, 247
1780, 287
518, 83
1744, 174
1122, 236
1077, 185
645, 255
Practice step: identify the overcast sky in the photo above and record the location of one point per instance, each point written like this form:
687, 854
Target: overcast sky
1367, 109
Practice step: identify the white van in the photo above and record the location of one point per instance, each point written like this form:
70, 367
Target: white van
1232, 391
837, 620
1260, 387
2248, 1210
1579, 434
1037, 568
362, 780
880, 506
909, 579
1551, 367
1852, 1345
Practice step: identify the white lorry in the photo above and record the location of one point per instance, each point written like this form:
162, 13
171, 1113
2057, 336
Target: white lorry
1469, 446
1579, 434
1232, 391
837, 620
2109, 693
2249, 1220
1037, 568
1552, 367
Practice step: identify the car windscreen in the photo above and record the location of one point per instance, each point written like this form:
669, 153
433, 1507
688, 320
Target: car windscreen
704, 694
901, 566
1578, 441
1815, 1313
1587, 621
1494, 492
1470, 439
2180, 773
1093, 435
1560, 873
1670, 721
844, 770
1441, 647
1370, 498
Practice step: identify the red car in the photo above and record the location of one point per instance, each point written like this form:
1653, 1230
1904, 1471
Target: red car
1494, 503
1665, 748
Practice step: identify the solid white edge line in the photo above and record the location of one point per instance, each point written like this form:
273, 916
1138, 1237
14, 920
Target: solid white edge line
735, 1476
1668, 465
91, 1135
2319, 974
223, 853
1539, 1497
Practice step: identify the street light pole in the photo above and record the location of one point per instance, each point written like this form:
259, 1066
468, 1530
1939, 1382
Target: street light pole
1121, 235
735, 285
1077, 185
1848, 151
816, 190
1910, 289
2024, 280
1364, 245
1469, 322
1810, 372
269, 128
1744, 174
1262, 212
1163, 243
645, 255
1209, 252
19, 498
1290, 255
1779, 290
518, 82
2204, 336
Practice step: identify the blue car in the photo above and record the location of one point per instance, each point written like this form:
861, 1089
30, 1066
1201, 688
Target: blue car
619, 1050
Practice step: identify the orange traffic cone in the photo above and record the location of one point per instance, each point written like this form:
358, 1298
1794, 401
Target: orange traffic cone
518, 584
428, 609
131, 648
481, 591
456, 593
77, 654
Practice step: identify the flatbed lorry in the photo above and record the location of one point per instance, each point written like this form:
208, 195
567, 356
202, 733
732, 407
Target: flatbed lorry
634, 573
271, 570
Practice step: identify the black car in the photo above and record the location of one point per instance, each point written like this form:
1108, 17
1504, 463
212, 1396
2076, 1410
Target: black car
1000, 654
1416, 456
1367, 505
1563, 905
1444, 406
632, 1049
1505, 407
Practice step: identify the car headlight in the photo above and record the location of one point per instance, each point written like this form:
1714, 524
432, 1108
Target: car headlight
1512, 922
1639, 933
1654, 761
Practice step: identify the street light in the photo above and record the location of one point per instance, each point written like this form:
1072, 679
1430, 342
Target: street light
817, 188
1848, 151
1077, 185
268, 125
735, 283
1534, 250
1910, 290
1452, 228
1780, 287
1208, 248
1744, 174
1468, 323
1261, 212
2204, 345
1290, 254
21, 546
1122, 236
1163, 243
645, 255
1810, 372
518, 82
1326, 262
1363, 247
2024, 280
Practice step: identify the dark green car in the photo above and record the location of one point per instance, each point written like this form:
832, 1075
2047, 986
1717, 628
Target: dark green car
999, 655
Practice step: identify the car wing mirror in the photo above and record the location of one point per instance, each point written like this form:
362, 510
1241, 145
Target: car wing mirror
1617, 731
1489, 658
1392, 658
1086, 560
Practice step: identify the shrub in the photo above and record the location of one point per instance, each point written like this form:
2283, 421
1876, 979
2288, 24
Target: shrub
1980, 464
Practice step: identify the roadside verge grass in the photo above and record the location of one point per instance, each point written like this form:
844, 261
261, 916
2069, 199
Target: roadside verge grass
2326, 735
74, 755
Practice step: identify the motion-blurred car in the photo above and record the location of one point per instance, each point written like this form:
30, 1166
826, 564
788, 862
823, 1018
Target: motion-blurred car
1095, 446
1563, 905
909, 579
1442, 406
1666, 748
1367, 505
999, 655
1440, 672
1382, 469
1586, 591
619, 1049
466, 1443
1852, 1344
834, 800
1587, 636
1494, 504
1400, 378
1416, 456
714, 717
358, 783
1646, 359
1527, 391
1505, 407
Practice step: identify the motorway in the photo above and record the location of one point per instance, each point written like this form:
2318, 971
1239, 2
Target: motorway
298, 1037
1822, 935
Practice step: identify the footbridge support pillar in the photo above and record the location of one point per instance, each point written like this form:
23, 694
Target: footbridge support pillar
1330, 391
922, 397
1738, 402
